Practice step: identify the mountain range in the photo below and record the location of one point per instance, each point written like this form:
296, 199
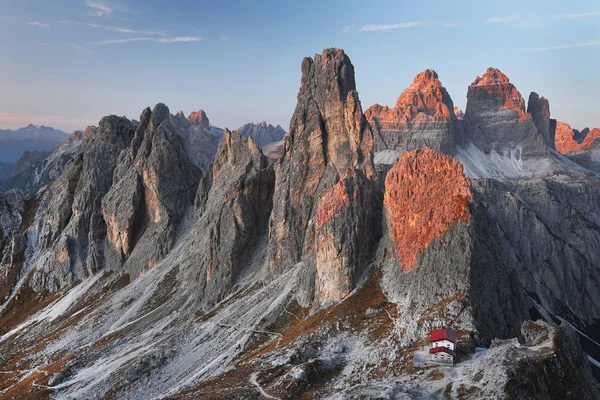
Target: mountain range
161, 259
29, 138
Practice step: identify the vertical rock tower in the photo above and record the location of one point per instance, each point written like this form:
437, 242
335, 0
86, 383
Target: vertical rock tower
329, 135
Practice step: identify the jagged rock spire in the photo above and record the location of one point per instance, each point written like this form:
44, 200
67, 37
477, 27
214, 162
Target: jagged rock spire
328, 136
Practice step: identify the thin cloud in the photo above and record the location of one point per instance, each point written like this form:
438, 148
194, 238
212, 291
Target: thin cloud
507, 20
79, 49
117, 29
223, 37
179, 39
347, 29
98, 9
519, 20
578, 16
36, 23
405, 25
591, 43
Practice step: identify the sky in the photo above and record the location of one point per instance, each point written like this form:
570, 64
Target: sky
67, 63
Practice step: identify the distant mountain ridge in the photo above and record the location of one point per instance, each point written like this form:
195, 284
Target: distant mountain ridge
262, 133
13, 143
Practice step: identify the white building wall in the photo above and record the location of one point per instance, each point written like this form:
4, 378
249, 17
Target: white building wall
443, 343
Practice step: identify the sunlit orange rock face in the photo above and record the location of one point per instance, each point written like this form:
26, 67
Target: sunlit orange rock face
425, 194
565, 142
422, 117
198, 117
498, 87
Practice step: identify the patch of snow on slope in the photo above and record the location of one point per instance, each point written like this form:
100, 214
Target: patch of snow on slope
386, 157
501, 166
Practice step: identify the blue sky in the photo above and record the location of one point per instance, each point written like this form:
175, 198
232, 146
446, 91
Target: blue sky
67, 63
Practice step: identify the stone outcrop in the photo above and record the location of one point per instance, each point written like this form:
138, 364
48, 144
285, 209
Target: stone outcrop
539, 219
154, 183
199, 141
262, 133
29, 159
539, 108
495, 119
425, 194
328, 135
274, 150
69, 223
439, 257
347, 227
459, 113
11, 210
235, 201
566, 141
199, 117
423, 116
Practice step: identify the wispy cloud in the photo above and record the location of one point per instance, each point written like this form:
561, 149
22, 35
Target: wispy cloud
513, 20
36, 23
577, 16
98, 9
524, 21
347, 29
116, 28
79, 49
178, 39
223, 37
405, 25
591, 43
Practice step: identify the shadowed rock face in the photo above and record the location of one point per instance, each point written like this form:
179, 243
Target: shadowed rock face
262, 133
423, 116
425, 193
29, 159
70, 226
347, 227
235, 201
495, 119
199, 141
155, 182
539, 108
328, 135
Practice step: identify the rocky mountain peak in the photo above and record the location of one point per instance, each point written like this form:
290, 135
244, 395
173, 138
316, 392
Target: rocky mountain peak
495, 87
495, 119
262, 133
492, 76
159, 114
459, 113
426, 94
566, 139
234, 147
199, 117
425, 194
328, 136
539, 108
422, 117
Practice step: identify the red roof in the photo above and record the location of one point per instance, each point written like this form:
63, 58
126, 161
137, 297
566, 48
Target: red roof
441, 334
441, 349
